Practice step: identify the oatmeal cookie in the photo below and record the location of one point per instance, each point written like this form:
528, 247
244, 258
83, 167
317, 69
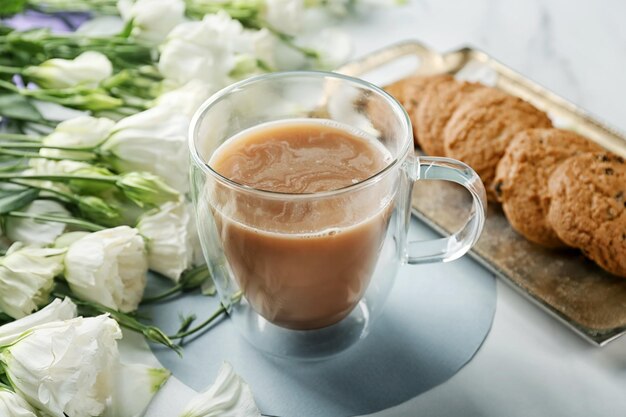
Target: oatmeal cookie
438, 103
409, 92
588, 207
481, 129
521, 182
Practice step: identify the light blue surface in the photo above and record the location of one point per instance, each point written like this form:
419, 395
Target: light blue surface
436, 318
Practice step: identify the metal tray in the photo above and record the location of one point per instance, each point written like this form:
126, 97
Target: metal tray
585, 298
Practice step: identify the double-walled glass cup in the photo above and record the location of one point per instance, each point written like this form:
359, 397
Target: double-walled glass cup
306, 275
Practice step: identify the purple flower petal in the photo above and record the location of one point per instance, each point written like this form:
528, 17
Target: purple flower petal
57, 22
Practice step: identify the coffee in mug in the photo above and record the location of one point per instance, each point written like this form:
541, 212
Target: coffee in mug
302, 264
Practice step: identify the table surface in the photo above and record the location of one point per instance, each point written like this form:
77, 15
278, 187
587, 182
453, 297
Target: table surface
529, 364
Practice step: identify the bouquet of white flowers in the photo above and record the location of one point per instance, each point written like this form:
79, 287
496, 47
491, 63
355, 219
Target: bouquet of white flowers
94, 183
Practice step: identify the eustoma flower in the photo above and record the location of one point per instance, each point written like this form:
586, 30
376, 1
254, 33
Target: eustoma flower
285, 15
108, 267
152, 141
229, 396
35, 232
168, 239
27, 277
84, 132
65, 368
206, 50
152, 20
87, 69
12, 405
186, 99
55, 311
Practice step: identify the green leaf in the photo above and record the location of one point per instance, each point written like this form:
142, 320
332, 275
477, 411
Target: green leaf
17, 200
10, 7
13, 105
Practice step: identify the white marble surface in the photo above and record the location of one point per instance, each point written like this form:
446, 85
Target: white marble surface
529, 365
576, 48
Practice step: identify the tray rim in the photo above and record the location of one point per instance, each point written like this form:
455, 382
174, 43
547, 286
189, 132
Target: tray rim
431, 59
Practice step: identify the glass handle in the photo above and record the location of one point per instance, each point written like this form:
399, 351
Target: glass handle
452, 247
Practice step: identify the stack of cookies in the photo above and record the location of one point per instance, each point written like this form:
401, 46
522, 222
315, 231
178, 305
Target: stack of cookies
557, 188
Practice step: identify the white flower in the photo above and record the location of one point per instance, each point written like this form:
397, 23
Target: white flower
88, 69
65, 367
152, 20
153, 141
186, 99
285, 15
229, 396
78, 132
35, 232
168, 239
12, 405
55, 311
261, 48
27, 277
330, 57
133, 388
108, 267
204, 50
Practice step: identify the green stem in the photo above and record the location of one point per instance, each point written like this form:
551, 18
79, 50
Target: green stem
60, 178
10, 86
39, 145
19, 137
10, 70
190, 280
92, 227
220, 311
165, 294
36, 155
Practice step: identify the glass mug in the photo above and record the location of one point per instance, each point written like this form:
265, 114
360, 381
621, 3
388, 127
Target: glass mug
306, 275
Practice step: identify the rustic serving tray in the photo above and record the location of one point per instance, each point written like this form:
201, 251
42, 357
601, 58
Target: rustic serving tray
587, 299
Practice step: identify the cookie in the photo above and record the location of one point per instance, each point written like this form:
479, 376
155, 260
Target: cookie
588, 207
439, 101
482, 127
409, 93
521, 181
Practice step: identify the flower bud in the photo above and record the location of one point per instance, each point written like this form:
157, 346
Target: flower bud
89, 186
146, 189
93, 100
78, 132
88, 69
96, 209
